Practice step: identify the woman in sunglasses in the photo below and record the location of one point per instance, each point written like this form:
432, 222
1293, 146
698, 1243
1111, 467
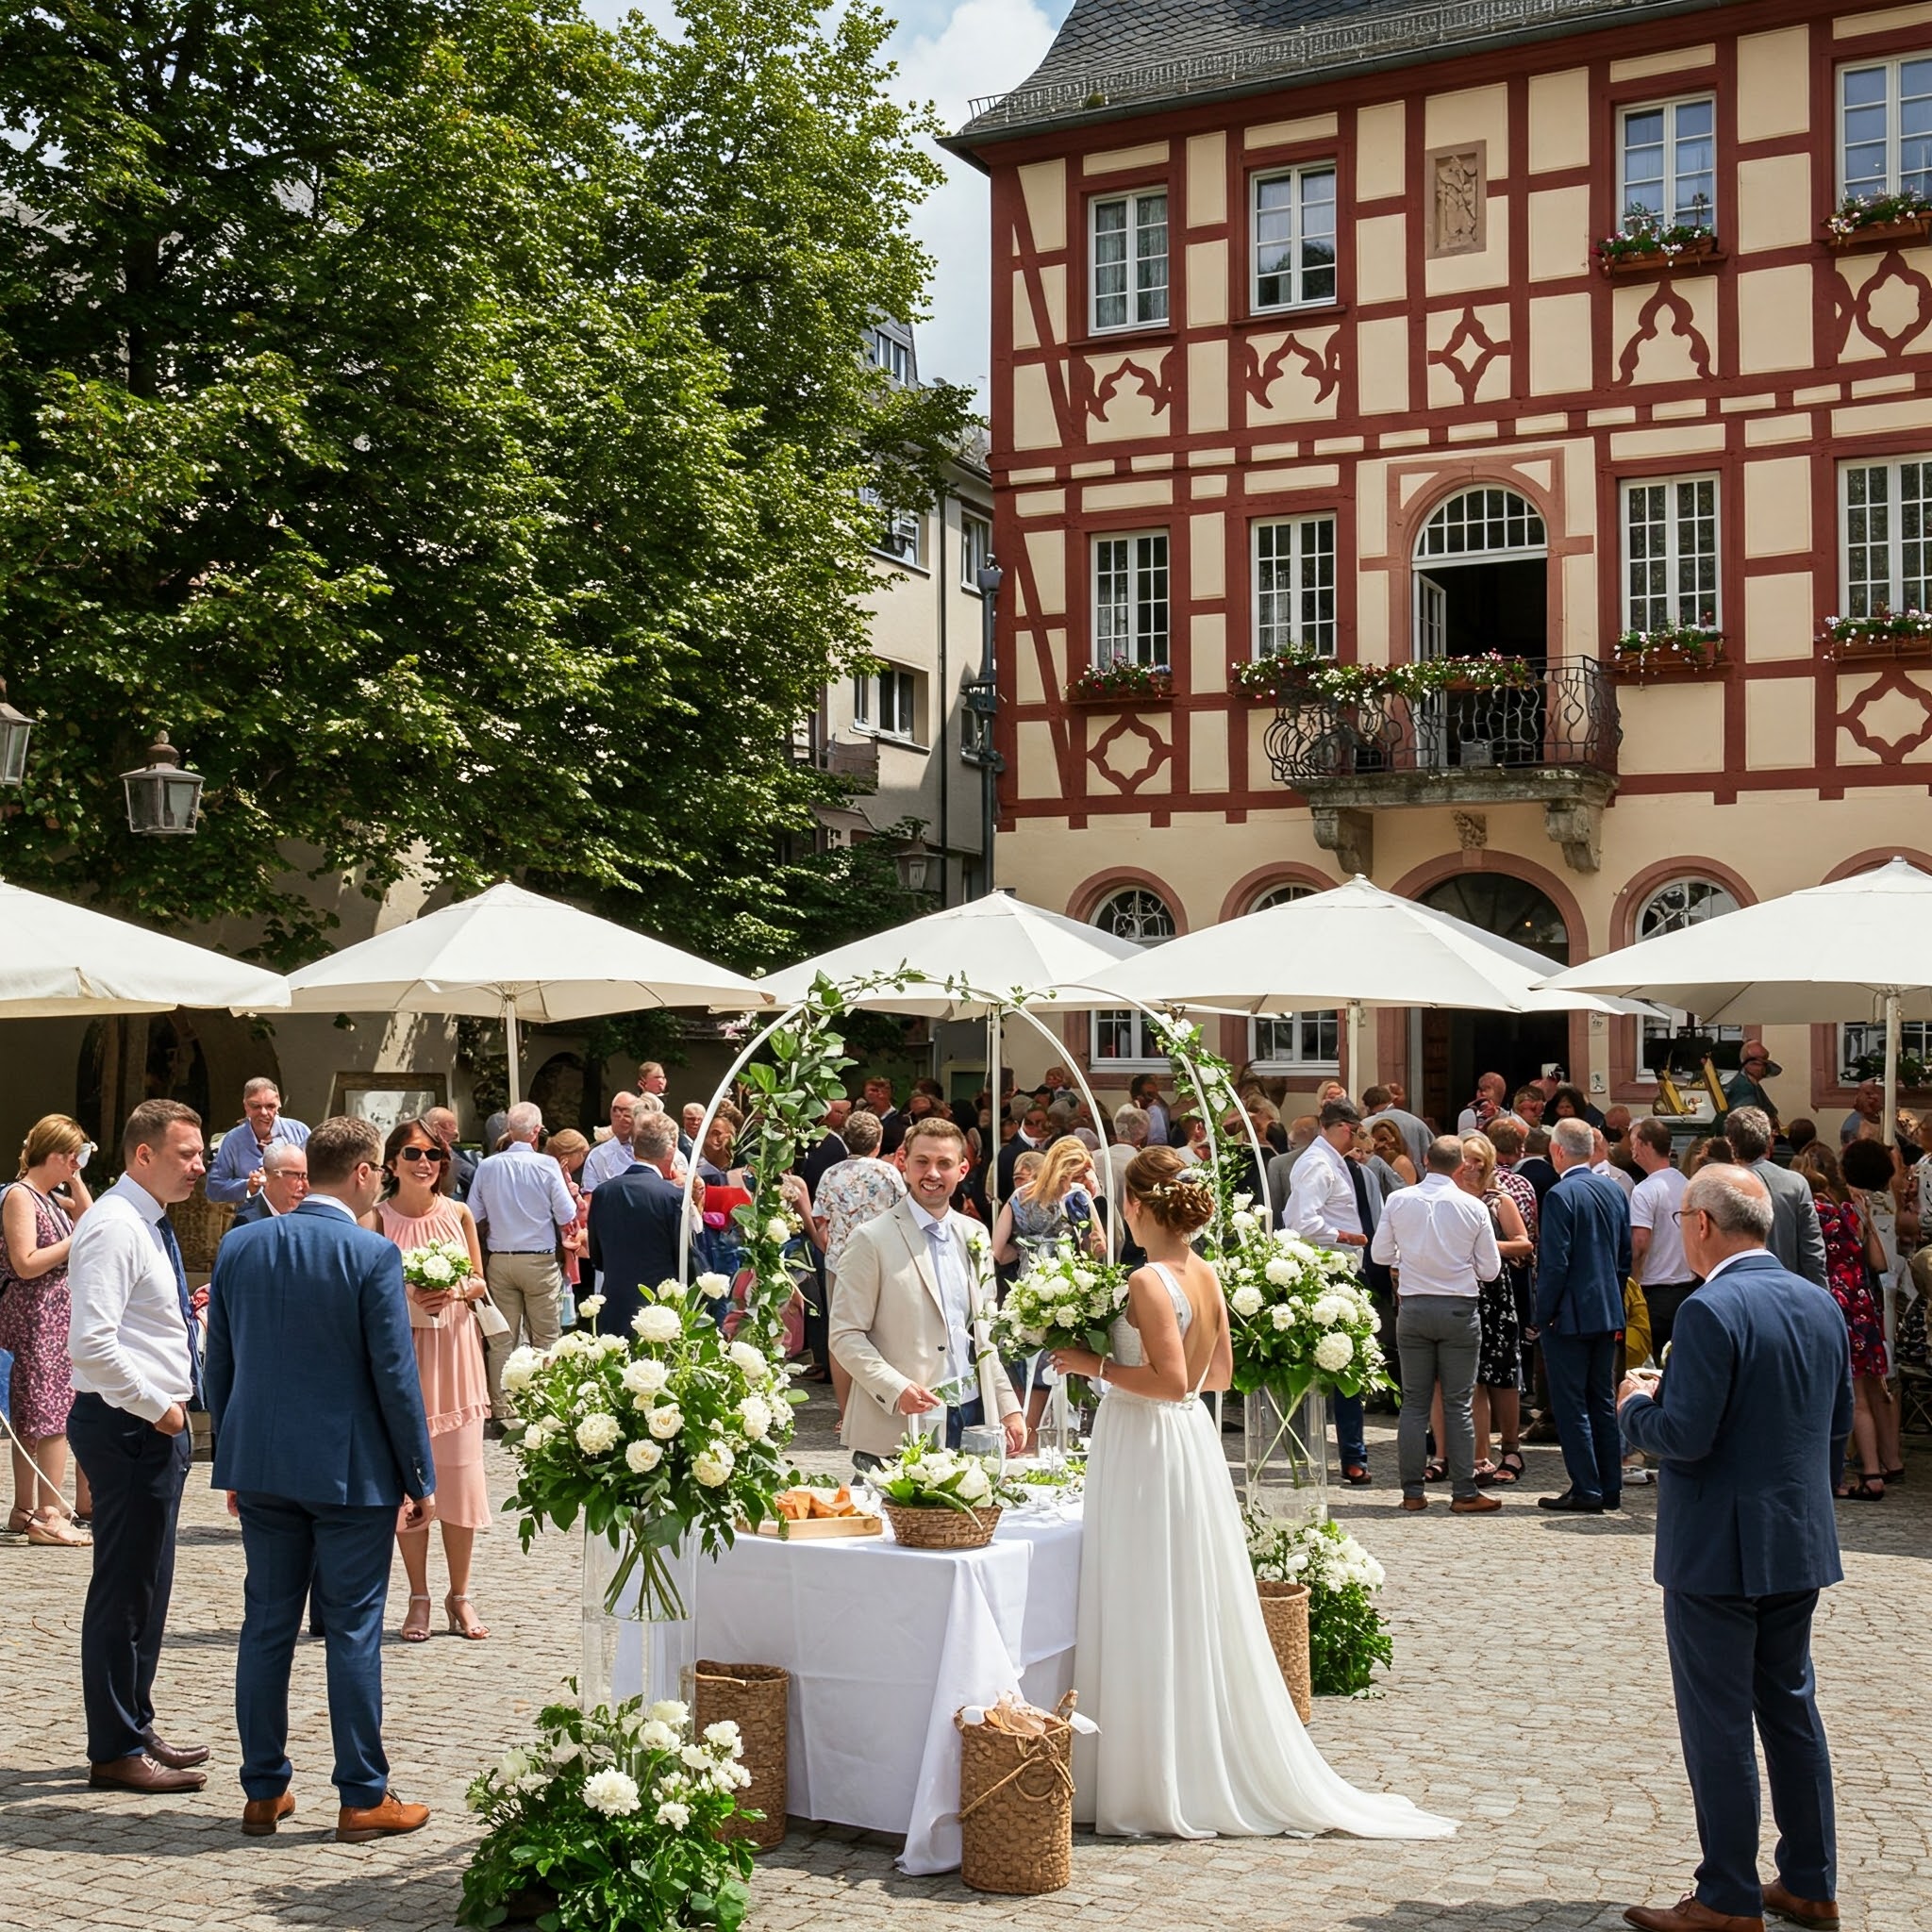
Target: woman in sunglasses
417, 1209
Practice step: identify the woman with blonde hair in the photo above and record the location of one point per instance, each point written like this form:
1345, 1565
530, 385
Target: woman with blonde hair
570, 1150
1385, 1138
1051, 1202
36, 1233
1499, 1349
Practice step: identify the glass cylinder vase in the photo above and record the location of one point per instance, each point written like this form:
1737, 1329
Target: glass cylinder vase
1284, 1455
645, 1645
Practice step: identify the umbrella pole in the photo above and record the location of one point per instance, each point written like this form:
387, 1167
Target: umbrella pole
995, 1113
510, 1050
1892, 1030
1355, 1045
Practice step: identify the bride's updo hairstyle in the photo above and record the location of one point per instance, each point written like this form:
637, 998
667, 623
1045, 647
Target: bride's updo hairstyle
1177, 1194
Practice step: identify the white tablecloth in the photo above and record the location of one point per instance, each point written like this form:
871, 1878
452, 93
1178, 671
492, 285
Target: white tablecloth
884, 1644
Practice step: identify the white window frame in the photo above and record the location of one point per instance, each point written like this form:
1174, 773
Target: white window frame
1136, 1021
1142, 642
1670, 214
1914, 1037
1677, 1021
1892, 68
1320, 634
1298, 269
893, 356
1133, 294
1295, 1063
869, 703
1709, 610
972, 555
1895, 597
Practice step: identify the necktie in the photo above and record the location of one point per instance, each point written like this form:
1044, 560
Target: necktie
940, 1238
171, 1246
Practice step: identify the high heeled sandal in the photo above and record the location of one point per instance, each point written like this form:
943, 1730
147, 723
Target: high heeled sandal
477, 1633
57, 1533
409, 1633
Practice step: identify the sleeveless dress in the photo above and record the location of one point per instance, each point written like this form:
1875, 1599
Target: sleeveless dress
1198, 1734
456, 1395
33, 1330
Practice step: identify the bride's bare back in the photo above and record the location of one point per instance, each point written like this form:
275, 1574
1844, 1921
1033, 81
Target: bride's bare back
1203, 1352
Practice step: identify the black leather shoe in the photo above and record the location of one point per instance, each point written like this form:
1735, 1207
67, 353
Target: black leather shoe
176, 1757
1570, 1503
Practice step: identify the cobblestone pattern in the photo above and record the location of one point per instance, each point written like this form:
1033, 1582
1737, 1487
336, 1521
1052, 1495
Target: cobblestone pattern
1530, 1699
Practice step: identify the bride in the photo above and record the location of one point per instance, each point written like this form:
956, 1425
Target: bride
1198, 1734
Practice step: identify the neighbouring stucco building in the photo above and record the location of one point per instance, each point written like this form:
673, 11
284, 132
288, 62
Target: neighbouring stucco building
1305, 348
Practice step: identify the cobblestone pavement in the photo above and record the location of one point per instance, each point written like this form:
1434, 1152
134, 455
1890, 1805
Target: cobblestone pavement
1530, 1699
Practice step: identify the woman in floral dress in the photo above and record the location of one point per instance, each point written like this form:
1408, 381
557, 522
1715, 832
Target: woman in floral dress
1851, 1252
36, 1231
1499, 1350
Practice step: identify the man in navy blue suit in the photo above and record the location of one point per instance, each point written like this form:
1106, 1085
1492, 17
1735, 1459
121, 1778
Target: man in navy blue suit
634, 1223
1582, 1259
1748, 1423
320, 1433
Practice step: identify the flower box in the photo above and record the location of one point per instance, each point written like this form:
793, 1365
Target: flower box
1901, 230
1098, 688
1692, 256
1669, 661
1887, 634
1879, 644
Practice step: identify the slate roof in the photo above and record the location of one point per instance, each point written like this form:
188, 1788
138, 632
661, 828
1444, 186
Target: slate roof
1113, 58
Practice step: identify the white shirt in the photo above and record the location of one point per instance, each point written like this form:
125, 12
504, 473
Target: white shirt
952, 1269
342, 1208
1654, 1206
125, 1334
520, 1196
1440, 1237
1320, 1197
1120, 1157
605, 1162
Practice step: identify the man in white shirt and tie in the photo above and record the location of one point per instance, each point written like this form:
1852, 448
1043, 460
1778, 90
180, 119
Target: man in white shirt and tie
1440, 1242
1322, 1203
135, 1373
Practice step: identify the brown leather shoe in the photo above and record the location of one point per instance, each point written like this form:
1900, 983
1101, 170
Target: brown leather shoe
261, 1816
1688, 1915
1415, 1502
389, 1819
176, 1757
1475, 1506
145, 1774
1817, 1914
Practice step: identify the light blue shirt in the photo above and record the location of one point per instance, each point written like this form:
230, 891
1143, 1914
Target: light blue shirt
519, 1195
605, 1162
239, 1155
945, 1247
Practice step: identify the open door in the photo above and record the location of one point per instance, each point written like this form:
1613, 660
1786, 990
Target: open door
1430, 712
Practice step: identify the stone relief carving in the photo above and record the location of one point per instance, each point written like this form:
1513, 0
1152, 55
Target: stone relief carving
1457, 200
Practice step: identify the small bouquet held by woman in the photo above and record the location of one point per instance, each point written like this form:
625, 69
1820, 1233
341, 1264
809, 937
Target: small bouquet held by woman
437, 1268
1065, 1299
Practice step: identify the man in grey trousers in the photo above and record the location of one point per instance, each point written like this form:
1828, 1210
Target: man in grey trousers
1439, 1241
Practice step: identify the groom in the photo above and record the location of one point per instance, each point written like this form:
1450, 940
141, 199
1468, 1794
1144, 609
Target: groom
915, 1286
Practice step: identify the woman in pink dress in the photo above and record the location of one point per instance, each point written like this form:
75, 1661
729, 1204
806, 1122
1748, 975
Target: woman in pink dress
449, 1356
570, 1150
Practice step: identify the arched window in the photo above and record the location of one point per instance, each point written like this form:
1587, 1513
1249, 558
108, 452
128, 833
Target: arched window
1133, 913
1484, 522
1672, 907
1294, 1043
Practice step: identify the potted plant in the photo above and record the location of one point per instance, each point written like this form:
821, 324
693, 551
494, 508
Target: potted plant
1865, 221
1913, 1070
1670, 650
1882, 634
1347, 1635
1647, 245
938, 1499
1121, 680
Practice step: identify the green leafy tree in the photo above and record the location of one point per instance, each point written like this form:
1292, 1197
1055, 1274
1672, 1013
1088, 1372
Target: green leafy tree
375, 414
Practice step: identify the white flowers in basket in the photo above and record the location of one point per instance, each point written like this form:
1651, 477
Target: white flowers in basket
1302, 1319
925, 1477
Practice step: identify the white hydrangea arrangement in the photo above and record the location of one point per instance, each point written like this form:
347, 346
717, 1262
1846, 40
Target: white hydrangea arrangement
924, 1476
614, 1818
1064, 1299
1299, 1316
1347, 1635
652, 1438
437, 1267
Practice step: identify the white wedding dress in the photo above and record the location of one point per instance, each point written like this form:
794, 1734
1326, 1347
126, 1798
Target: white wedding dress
1198, 1734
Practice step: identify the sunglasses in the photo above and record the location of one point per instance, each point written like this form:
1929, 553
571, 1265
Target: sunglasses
439, 1155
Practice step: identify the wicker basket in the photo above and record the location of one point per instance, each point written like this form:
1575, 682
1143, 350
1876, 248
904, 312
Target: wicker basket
1016, 1807
941, 1528
754, 1697
1284, 1610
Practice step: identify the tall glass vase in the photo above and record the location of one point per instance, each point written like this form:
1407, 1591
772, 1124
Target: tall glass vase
639, 1648
1284, 1455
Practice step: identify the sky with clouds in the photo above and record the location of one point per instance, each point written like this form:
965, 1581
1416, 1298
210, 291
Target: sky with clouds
947, 51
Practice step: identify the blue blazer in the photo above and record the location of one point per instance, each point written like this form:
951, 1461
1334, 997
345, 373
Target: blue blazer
1748, 1424
1582, 1256
311, 1376
633, 1230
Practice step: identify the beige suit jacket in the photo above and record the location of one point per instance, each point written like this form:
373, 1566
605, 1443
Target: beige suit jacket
888, 1326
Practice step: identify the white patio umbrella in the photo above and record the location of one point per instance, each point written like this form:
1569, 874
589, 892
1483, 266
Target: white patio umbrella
1827, 953
997, 945
60, 960
517, 957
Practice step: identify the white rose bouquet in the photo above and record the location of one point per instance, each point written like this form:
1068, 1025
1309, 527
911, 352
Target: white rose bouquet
623, 1816
1064, 1299
1347, 1635
1300, 1318
435, 1268
925, 1477
667, 1433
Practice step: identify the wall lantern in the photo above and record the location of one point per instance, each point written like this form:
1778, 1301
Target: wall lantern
163, 798
915, 864
16, 727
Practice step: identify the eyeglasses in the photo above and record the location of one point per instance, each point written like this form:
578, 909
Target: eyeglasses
439, 1155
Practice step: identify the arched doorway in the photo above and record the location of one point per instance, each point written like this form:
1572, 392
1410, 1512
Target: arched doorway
1457, 1048
1481, 576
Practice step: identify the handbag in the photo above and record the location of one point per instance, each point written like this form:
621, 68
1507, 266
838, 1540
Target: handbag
490, 1320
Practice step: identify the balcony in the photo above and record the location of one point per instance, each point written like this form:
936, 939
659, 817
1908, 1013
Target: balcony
1550, 741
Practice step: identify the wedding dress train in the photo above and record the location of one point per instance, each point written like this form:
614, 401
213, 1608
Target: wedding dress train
1198, 1734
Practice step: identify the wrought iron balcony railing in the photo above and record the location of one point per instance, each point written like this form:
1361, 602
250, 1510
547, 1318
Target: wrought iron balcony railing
1566, 718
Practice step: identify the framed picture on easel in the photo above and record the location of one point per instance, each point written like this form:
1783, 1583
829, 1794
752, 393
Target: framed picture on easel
385, 1099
